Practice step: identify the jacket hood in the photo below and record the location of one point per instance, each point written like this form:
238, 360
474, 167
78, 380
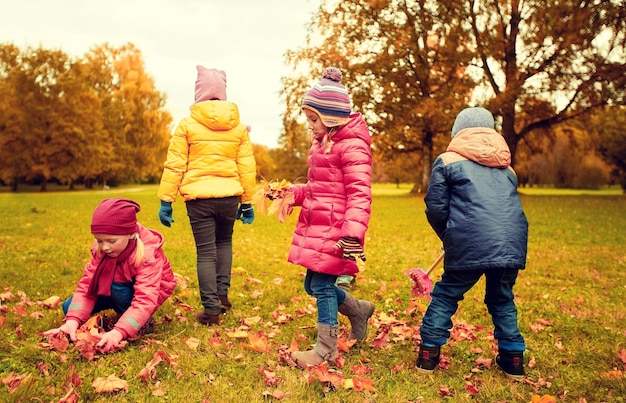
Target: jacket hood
482, 145
152, 241
355, 128
216, 115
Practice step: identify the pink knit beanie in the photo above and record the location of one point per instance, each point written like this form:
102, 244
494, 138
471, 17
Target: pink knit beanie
210, 84
116, 216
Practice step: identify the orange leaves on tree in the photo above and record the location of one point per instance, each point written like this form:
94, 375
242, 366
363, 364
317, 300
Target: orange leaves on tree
110, 384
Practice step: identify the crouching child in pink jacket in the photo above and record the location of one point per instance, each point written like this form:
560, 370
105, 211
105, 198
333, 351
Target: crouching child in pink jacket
128, 273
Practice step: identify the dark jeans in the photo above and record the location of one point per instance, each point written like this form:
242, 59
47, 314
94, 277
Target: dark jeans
328, 296
498, 297
212, 222
121, 296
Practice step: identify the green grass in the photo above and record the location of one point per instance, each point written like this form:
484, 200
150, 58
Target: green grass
570, 300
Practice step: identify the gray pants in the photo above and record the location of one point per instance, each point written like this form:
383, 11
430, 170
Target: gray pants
212, 222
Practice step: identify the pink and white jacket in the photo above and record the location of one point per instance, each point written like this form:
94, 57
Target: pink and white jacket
154, 283
336, 200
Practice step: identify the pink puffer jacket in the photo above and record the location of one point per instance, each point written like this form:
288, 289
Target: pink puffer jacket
336, 200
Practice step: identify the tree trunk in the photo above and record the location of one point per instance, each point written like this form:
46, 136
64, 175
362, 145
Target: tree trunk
421, 185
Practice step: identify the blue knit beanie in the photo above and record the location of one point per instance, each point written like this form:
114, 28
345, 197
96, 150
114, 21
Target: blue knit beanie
473, 117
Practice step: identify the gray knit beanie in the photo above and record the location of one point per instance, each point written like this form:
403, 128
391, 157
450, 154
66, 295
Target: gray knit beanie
473, 117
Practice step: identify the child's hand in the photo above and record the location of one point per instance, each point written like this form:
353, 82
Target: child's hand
351, 248
69, 328
108, 341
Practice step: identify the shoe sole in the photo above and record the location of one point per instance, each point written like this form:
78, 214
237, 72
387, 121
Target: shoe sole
424, 371
512, 377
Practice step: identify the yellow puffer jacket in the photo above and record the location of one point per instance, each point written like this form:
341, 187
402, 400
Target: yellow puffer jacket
210, 156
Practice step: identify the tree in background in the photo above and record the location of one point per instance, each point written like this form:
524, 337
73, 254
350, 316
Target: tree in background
567, 53
291, 157
568, 158
133, 113
265, 164
609, 124
411, 65
400, 61
14, 162
88, 119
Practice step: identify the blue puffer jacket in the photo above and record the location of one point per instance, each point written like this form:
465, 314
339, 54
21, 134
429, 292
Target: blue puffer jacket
473, 205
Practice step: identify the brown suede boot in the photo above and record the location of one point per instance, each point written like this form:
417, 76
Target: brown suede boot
325, 348
225, 304
358, 311
208, 319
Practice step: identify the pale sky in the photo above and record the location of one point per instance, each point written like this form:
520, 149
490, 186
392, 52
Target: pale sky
245, 38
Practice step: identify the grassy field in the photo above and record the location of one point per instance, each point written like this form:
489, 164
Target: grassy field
570, 301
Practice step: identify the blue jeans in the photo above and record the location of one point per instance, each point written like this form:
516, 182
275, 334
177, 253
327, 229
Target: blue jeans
212, 222
121, 296
498, 297
328, 296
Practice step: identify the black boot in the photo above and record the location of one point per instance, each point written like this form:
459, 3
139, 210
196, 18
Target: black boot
511, 363
427, 359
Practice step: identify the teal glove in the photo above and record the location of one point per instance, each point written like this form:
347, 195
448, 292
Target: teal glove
351, 248
245, 213
165, 213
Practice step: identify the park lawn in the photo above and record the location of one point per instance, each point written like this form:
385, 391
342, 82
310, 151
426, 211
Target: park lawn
570, 301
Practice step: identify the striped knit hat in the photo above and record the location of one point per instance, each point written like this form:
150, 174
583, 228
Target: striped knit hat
329, 99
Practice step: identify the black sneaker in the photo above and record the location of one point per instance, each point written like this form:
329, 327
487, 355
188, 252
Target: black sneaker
427, 359
511, 363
